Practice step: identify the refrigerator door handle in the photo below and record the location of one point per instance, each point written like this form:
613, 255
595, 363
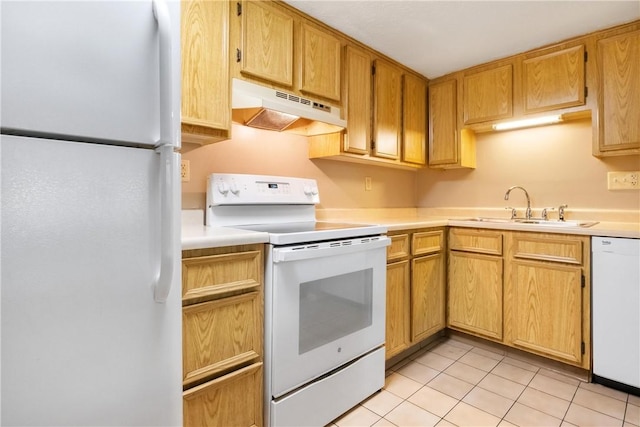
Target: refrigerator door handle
168, 170
161, 13
166, 146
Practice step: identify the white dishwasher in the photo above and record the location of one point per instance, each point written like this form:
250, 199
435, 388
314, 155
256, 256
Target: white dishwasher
616, 312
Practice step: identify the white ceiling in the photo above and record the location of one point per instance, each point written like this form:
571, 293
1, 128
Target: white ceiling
438, 37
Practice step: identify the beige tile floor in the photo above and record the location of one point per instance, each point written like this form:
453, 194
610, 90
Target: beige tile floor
458, 383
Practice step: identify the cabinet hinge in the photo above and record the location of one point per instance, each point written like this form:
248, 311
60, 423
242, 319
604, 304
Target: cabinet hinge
586, 91
238, 55
239, 8
373, 144
373, 70
583, 281
582, 347
586, 57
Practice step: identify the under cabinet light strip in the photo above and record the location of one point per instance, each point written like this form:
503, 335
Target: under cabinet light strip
537, 121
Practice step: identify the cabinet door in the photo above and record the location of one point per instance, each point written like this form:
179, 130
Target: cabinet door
206, 108
414, 123
387, 110
208, 277
398, 294
488, 95
267, 43
320, 63
547, 309
357, 100
220, 335
619, 109
554, 80
399, 247
232, 400
475, 294
427, 296
443, 138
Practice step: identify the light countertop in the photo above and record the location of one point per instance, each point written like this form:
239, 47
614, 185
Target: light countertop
195, 235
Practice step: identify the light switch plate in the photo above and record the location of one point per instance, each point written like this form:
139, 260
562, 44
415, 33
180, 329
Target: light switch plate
367, 183
624, 180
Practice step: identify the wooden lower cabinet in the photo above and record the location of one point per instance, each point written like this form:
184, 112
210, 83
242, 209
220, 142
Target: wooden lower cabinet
476, 282
547, 309
527, 290
427, 296
415, 288
475, 294
548, 296
231, 400
398, 301
222, 336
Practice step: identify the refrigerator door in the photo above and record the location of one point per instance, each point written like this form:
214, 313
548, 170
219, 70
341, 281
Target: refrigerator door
83, 341
91, 70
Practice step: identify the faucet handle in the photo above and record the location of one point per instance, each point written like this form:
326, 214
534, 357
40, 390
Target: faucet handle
513, 211
545, 213
561, 209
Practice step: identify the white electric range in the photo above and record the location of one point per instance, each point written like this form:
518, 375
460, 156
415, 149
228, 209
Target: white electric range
325, 292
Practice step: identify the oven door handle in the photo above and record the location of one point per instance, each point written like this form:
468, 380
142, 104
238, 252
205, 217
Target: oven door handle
297, 253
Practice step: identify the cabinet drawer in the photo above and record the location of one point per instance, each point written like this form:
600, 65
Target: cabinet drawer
426, 242
399, 247
232, 400
220, 335
475, 240
543, 248
207, 277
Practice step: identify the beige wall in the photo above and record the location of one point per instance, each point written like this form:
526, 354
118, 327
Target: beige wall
341, 184
554, 163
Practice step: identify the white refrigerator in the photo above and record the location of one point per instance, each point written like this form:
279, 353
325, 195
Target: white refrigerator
90, 307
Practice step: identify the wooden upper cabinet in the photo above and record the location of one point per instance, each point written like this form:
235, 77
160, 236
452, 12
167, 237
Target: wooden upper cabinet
443, 134
357, 100
320, 63
618, 106
387, 110
555, 80
414, 120
206, 112
267, 43
488, 95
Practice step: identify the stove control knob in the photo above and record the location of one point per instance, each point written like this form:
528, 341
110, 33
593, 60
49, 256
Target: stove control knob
310, 191
223, 188
234, 188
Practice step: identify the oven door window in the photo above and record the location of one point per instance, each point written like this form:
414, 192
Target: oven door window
334, 307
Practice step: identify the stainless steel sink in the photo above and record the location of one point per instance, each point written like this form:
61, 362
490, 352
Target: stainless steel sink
533, 221
556, 223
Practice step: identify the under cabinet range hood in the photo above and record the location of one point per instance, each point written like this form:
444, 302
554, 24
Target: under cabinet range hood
272, 109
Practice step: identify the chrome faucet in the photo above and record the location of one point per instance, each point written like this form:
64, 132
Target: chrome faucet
506, 197
561, 209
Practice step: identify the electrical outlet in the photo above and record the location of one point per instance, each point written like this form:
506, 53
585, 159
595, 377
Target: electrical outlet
625, 180
367, 183
185, 171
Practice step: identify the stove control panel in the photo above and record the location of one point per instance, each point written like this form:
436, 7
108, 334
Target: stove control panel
242, 189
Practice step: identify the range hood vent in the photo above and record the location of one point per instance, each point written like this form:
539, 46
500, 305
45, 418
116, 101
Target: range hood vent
271, 109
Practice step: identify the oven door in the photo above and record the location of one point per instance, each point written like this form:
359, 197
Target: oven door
326, 307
